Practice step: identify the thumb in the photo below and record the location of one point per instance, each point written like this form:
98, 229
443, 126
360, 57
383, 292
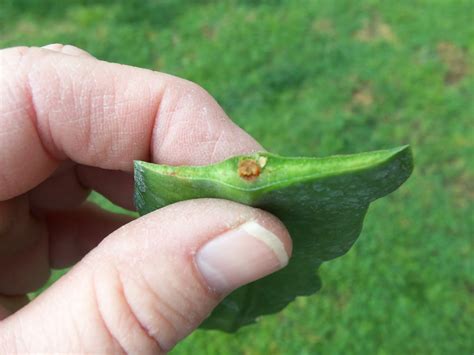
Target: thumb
151, 282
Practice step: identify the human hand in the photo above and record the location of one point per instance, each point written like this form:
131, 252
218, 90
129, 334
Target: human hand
70, 123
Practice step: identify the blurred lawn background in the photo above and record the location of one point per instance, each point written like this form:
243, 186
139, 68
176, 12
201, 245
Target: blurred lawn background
319, 78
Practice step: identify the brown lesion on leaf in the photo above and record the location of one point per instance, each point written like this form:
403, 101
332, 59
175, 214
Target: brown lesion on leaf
250, 169
455, 60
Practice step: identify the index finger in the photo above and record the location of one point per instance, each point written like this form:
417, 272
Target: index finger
55, 107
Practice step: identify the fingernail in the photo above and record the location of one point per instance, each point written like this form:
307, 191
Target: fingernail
240, 256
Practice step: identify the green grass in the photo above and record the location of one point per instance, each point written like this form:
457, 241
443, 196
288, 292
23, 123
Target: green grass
319, 78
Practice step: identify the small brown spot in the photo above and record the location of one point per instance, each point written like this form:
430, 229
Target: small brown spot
249, 169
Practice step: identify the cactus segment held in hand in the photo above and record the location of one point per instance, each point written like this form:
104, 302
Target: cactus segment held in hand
322, 202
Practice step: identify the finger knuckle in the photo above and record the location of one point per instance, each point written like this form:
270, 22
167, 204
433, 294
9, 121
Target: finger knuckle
167, 313
144, 314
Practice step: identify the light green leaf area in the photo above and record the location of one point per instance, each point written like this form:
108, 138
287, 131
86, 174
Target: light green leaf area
322, 202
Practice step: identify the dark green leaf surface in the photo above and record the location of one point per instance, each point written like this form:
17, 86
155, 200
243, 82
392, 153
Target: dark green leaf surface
322, 201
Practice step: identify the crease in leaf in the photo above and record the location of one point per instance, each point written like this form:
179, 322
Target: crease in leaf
322, 202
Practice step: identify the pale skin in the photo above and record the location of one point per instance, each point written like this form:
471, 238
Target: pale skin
70, 123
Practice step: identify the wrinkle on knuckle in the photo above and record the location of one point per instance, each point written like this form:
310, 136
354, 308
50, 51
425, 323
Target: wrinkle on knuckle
189, 117
166, 310
155, 120
165, 320
119, 317
43, 83
169, 310
216, 146
103, 319
163, 121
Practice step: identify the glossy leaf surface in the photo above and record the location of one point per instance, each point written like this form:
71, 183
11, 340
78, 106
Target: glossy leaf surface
322, 201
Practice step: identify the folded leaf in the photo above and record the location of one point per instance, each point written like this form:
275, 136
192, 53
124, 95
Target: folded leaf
322, 202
